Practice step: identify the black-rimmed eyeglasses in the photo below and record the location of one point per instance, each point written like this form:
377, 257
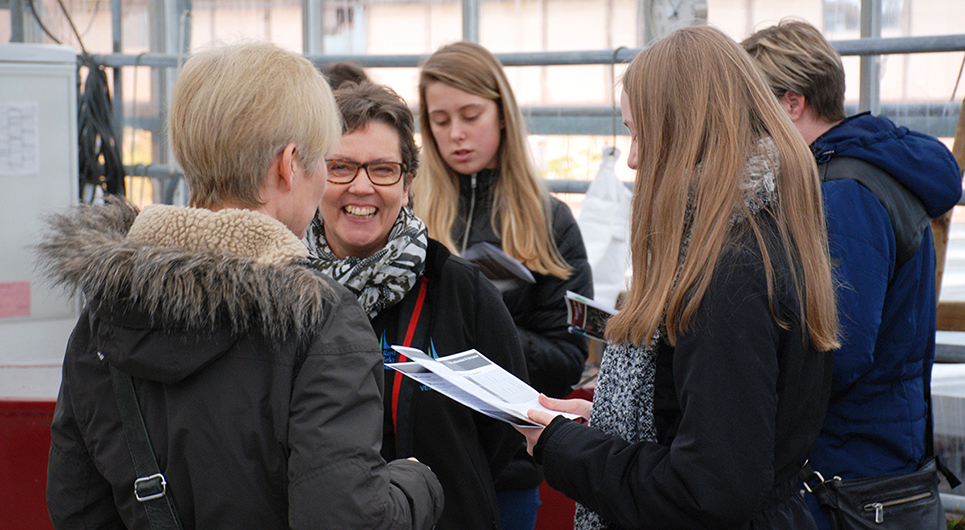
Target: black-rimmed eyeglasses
380, 173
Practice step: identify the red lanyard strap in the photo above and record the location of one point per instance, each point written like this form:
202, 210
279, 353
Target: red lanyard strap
410, 332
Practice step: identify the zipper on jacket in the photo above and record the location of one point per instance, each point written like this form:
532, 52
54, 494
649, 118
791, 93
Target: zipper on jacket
472, 207
879, 507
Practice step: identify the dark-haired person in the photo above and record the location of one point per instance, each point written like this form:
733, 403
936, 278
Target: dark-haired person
416, 294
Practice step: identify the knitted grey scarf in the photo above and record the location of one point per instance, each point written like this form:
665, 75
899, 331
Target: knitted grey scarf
623, 398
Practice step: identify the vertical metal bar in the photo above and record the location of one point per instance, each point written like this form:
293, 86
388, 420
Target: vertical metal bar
610, 81
470, 20
544, 30
870, 93
644, 26
118, 101
313, 29
17, 13
23, 27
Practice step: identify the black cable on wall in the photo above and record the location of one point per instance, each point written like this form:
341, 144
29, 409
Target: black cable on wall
99, 155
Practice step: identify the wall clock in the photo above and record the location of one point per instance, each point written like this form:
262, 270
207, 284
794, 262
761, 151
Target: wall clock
669, 15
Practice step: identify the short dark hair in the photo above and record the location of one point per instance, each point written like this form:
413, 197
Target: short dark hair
365, 102
342, 72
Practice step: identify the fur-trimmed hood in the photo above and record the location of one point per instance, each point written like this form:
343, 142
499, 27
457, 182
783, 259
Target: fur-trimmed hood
186, 273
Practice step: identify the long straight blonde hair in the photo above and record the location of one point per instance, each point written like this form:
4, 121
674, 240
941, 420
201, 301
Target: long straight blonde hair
521, 203
698, 101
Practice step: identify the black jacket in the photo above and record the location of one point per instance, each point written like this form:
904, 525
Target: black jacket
554, 357
459, 310
259, 381
738, 403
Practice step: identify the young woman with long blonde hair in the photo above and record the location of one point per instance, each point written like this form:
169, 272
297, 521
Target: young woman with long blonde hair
477, 184
718, 373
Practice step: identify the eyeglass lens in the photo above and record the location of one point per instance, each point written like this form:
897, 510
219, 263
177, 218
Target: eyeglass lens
379, 173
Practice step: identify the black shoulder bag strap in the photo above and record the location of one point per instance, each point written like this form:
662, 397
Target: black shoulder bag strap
150, 488
952, 479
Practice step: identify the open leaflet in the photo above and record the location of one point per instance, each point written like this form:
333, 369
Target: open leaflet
476, 382
505, 271
586, 316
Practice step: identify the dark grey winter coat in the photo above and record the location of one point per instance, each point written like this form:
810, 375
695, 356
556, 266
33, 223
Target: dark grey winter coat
260, 382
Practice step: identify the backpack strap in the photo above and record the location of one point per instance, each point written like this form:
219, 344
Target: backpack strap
905, 210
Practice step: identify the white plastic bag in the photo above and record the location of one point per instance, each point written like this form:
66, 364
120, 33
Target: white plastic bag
605, 225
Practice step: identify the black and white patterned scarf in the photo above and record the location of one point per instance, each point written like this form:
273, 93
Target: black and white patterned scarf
383, 279
623, 398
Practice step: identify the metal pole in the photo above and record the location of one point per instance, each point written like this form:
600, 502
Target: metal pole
313, 29
644, 29
870, 93
870, 46
118, 101
17, 13
470, 20
23, 27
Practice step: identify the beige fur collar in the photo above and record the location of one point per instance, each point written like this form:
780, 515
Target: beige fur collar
243, 233
186, 267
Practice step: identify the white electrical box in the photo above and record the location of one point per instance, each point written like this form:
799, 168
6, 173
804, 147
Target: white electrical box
38, 175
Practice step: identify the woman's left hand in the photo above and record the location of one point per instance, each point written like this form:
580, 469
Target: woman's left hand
542, 417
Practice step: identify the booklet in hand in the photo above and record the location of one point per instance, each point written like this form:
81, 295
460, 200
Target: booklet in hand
502, 269
476, 382
586, 316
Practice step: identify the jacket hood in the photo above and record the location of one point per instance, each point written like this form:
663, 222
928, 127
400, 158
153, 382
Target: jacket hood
920, 162
170, 289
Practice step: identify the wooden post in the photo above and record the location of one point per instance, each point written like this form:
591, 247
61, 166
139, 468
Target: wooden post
951, 315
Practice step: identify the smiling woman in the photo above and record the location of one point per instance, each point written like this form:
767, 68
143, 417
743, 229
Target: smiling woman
416, 294
359, 212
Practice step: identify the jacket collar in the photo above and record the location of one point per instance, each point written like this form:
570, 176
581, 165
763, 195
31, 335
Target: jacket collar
186, 268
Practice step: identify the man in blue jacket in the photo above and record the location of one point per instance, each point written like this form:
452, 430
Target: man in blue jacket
881, 184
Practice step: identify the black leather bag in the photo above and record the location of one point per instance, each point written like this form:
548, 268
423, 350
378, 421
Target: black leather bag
908, 501
892, 502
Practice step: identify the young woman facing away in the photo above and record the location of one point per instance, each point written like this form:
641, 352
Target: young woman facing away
478, 184
717, 378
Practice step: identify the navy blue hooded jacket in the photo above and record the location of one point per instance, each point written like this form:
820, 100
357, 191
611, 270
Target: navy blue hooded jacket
883, 258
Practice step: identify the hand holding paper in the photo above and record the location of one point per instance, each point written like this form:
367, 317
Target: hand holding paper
551, 408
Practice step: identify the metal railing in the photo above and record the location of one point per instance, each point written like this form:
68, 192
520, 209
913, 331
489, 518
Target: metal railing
936, 119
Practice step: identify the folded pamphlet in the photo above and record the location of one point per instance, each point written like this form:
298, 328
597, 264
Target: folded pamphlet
586, 316
476, 382
505, 271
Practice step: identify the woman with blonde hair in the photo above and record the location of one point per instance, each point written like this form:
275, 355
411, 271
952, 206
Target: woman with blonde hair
718, 373
256, 383
478, 185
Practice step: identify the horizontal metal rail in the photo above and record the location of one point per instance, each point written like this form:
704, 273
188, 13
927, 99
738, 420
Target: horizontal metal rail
931, 118
952, 504
163, 172
868, 46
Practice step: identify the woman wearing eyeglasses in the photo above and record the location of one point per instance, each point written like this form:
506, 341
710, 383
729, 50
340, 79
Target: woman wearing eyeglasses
416, 294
